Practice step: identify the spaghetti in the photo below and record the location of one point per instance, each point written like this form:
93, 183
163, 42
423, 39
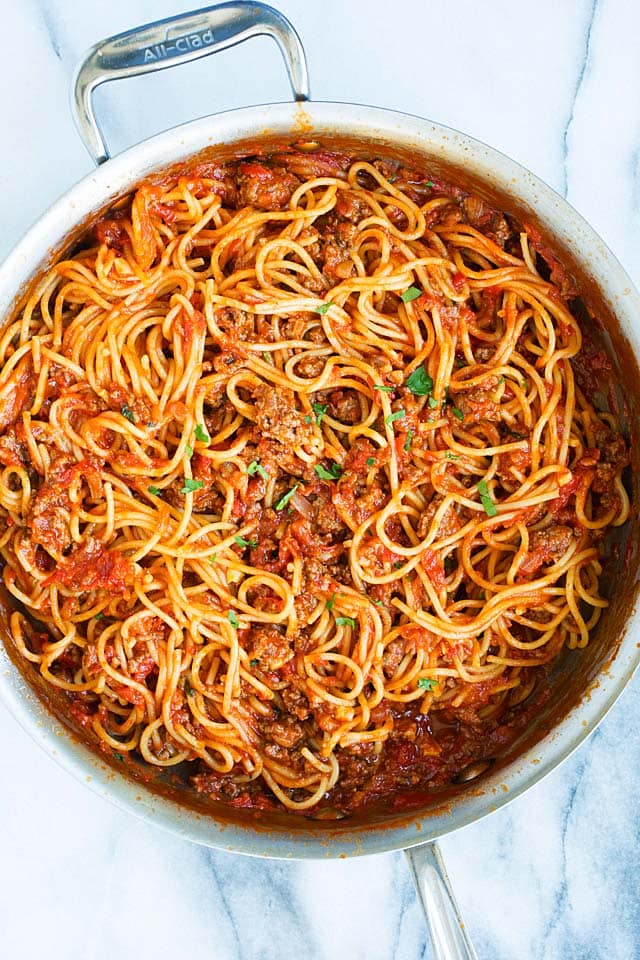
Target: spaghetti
302, 476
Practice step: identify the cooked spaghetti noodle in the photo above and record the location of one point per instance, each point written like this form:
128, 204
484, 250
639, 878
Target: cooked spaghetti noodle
301, 471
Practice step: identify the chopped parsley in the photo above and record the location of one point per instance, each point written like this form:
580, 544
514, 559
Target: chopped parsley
408, 441
308, 419
323, 308
378, 603
433, 403
233, 620
154, 490
253, 663
266, 356
426, 683
501, 381
331, 601
420, 383
246, 543
457, 412
191, 485
371, 461
319, 409
284, 499
213, 558
189, 451
188, 689
346, 622
486, 499
333, 473
452, 456
127, 412
118, 756
255, 467
398, 415
99, 616
412, 293
381, 386
429, 183
201, 434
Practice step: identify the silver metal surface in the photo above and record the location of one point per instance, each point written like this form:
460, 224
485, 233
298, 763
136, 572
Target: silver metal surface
448, 935
176, 40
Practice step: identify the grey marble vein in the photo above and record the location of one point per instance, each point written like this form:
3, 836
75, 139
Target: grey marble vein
584, 64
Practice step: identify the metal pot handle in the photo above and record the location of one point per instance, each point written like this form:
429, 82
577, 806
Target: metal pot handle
167, 43
446, 927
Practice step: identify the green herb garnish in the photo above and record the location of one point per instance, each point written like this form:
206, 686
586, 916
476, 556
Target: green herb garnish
213, 558
452, 456
433, 403
155, 491
284, 500
380, 386
319, 409
331, 601
233, 620
412, 293
346, 622
426, 683
486, 499
118, 756
333, 473
457, 412
420, 383
127, 412
191, 485
322, 308
398, 415
189, 451
201, 434
408, 441
253, 663
429, 183
371, 461
99, 616
246, 543
255, 467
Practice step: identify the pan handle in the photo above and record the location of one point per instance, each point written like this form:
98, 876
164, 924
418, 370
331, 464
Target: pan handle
446, 927
167, 43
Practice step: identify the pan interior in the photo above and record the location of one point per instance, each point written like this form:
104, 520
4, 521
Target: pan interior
574, 672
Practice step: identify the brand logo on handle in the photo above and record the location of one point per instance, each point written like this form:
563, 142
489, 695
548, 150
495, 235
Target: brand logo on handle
179, 45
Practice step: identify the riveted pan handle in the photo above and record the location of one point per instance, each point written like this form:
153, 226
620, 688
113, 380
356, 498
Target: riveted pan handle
167, 43
448, 935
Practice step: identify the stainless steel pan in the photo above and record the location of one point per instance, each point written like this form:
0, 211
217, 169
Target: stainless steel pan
588, 683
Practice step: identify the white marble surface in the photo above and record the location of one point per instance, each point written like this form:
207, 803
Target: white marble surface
555, 84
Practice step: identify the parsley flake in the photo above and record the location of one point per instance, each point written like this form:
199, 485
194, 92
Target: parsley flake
127, 412
246, 543
201, 434
433, 403
191, 485
322, 308
457, 412
333, 473
189, 451
284, 499
398, 415
429, 183
420, 383
233, 620
426, 683
99, 616
486, 499
320, 410
408, 441
331, 601
253, 663
371, 461
412, 293
154, 490
382, 388
255, 467
346, 622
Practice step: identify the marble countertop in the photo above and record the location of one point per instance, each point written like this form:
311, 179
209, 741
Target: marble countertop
554, 876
